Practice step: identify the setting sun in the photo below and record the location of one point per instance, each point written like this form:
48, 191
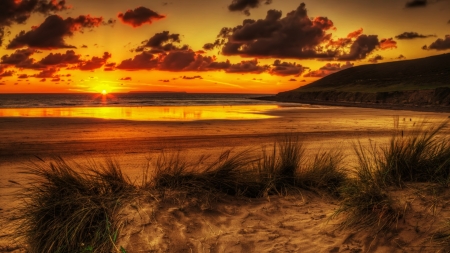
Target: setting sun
104, 92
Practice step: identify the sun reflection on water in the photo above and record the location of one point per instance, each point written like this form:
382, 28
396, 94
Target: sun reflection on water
172, 113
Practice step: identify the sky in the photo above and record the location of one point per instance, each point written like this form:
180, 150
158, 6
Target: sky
204, 46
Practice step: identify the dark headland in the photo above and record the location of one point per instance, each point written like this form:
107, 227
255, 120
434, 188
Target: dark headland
419, 84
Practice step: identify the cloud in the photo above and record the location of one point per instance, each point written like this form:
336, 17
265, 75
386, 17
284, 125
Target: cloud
401, 57
164, 80
376, 58
69, 57
293, 36
17, 57
21, 59
355, 34
246, 5
7, 73
142, 61
439, 44
51, 33
412, 35
47, 73
162, 42
387, 43
94, 63
211, 46
191, 77
360, 48
23, 76
286, 68
416, 3
110, 66
139, 16
125, 78
250, 66
292, 80
18, 12
328, 69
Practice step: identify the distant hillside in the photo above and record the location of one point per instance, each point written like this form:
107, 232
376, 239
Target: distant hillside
420, 84
418, 74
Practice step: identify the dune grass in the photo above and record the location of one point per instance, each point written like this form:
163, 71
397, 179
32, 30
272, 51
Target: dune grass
416, 155
365, 201
66, 210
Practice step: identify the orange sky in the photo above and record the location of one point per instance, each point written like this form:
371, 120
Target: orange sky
240, 46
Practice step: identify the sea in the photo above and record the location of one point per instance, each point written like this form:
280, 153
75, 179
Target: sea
139, 106
126, 100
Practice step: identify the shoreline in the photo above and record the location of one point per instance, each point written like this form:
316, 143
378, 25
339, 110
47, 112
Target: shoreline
439, 109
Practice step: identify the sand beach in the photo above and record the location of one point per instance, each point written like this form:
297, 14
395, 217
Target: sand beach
299, 223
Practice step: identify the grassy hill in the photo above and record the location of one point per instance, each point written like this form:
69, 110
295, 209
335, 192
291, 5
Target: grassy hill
418, 74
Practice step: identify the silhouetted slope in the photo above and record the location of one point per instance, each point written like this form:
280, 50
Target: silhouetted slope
424, 73
420, 84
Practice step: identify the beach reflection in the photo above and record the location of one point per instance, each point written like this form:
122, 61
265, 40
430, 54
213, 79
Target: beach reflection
172, 113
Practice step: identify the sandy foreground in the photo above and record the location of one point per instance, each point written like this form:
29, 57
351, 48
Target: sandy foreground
280, 224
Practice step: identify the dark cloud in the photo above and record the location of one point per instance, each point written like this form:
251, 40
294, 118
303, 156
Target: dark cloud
412, 35
361, 47
47, 73
246, 5
143, 60
250, 66
292, 80
17, 57
21, 59
376, 58
7, 73
84, 46
164, 80
69, 57
94, 63
18, 12
51, 33
125, 78
401, 57
211, 46
191, 77
439, 44
23, 76
416, 3
293, 36
286, 68
110, 66
139, 16
162, 42
56, 79
177, 60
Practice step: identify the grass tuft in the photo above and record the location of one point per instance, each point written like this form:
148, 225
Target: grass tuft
417, 155
364, 198
66, 210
